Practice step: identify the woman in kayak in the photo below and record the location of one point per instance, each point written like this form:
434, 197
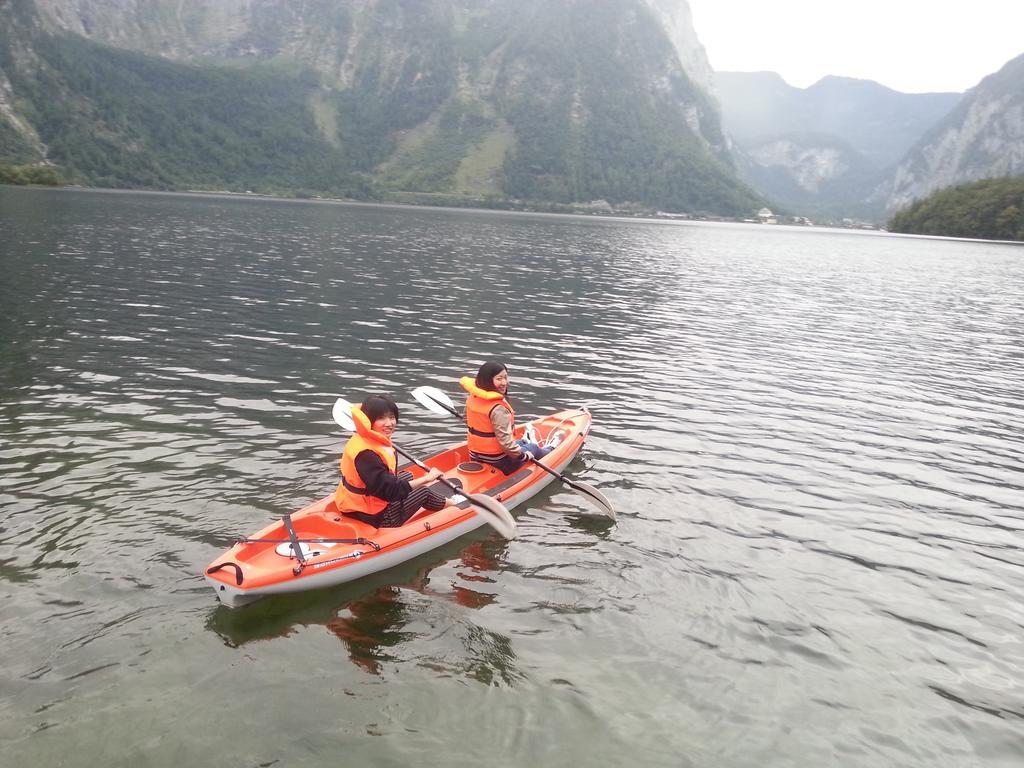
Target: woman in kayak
370, 488
491, 421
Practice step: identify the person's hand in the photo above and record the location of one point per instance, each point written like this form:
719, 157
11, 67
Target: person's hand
527, 456
434, 473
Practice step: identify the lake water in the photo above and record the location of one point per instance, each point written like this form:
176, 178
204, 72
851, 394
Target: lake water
814, 440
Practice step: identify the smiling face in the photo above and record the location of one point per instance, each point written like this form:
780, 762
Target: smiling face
501, 382
385, 424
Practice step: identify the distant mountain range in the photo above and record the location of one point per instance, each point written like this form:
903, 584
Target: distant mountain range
854, 147
827, 146
877, 122
486, 101
549, 100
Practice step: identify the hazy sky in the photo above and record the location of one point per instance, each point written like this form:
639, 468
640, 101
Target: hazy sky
912, 46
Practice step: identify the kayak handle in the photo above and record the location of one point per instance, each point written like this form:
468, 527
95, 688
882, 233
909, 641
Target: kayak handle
238, 571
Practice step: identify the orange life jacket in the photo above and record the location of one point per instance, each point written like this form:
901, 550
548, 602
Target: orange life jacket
482, 442
351, 494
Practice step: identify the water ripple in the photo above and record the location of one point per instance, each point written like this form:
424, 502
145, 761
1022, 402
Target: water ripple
813, 440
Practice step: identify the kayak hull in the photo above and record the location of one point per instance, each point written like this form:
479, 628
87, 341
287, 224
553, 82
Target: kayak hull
337, 549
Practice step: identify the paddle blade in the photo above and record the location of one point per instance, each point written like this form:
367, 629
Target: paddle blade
495, 513
342, 414
594, 496
434, 400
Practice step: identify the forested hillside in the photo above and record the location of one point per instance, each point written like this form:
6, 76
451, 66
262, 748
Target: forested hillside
556, 101
992, 209
119, 119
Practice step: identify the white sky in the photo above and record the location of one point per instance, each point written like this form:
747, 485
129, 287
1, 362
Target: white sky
912, 46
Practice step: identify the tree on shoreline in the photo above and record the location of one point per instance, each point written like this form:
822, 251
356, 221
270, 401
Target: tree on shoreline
992, 209
44, 175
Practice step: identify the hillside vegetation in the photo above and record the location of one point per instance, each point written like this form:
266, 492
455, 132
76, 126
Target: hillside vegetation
30, 174
553, 101
992, 209
114, 118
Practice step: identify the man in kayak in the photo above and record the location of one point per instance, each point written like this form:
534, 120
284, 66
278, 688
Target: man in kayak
370, 489
491, 422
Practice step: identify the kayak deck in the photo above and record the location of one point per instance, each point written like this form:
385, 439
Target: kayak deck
336, 548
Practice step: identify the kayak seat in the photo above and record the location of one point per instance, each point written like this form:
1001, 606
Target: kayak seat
444, 490
469, 467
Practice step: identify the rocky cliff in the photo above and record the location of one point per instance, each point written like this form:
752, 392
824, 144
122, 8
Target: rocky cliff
557, 100
982, 138
305, 30
677, 21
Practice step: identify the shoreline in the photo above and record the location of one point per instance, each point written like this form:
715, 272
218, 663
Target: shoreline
453, 203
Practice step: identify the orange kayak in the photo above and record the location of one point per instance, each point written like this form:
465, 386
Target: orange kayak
336, 548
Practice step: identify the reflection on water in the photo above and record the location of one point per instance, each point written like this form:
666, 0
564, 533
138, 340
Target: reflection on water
813, 441
370, 626
373, 624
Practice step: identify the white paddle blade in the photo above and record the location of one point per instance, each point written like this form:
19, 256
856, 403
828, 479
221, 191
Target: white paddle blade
495, 513
434, 400
595, 497
342, 414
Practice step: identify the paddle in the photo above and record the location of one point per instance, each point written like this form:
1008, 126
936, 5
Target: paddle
436, 401
491, 510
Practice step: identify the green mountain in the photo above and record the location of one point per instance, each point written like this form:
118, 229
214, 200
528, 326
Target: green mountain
558, 101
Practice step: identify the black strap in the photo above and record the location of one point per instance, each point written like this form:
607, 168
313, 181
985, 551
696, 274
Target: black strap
238, 571
486, 458
478, 433
352, 488
296, 547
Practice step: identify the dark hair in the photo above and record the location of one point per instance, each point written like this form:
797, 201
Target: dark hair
485, 376
376, 406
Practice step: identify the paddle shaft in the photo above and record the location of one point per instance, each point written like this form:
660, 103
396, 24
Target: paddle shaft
443, 480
